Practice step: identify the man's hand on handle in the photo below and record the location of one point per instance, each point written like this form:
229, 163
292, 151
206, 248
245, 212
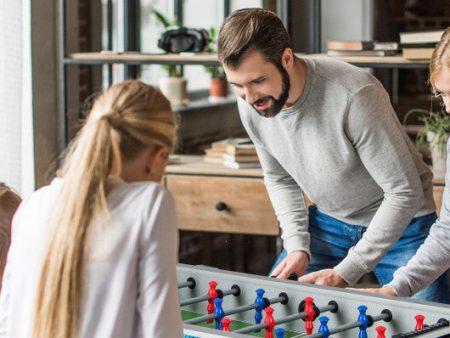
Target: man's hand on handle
295, 262
328, 277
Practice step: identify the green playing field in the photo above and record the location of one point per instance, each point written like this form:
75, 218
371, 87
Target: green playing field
236, 325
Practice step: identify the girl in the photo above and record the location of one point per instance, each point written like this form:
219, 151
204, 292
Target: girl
433, 257
94, 253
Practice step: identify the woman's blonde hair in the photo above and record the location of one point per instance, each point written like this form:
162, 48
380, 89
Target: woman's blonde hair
440, 56
127, 118
9, 202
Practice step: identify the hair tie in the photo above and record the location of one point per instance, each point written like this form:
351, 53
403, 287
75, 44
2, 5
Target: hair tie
113, 120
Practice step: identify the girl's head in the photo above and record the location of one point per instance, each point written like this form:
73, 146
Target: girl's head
440, 69
129, 133
134, 121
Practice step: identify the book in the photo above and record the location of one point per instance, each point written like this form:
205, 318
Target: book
419, 45
241, 165
210, 152
387, 45
417, 53
240, 158
421, 36
349, 45
217, 160
241, 149
222, 144
361, 52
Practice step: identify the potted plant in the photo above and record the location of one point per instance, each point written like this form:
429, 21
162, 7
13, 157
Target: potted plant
435, 131
218, 88
174, 86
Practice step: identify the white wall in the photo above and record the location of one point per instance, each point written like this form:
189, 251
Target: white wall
346, 20
16, 136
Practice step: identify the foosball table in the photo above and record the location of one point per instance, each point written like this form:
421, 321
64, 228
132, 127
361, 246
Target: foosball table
218, 303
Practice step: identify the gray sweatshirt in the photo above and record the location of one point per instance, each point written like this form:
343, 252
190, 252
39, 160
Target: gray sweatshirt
341, 143
433, 257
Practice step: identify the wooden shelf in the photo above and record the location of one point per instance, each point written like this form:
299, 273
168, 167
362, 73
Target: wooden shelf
140, 58
379, 61
207, 58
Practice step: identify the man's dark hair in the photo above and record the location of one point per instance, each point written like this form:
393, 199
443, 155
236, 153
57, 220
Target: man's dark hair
248, 29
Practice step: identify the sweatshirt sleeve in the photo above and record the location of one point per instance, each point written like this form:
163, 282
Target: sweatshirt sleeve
288, 202
433, 257
285, 194
376, 135
157, 285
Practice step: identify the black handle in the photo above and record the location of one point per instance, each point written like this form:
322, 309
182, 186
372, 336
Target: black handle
220, 206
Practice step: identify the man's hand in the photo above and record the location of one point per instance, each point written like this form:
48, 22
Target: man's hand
386, 291
328, 277
295, 262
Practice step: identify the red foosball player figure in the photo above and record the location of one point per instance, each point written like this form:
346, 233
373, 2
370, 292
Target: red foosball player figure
270, 321
381, 331
419, 322
226, 324
309, 309
212, 293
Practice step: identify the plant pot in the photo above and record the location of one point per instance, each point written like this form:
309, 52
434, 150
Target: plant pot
174, 88
438, 155
218, 89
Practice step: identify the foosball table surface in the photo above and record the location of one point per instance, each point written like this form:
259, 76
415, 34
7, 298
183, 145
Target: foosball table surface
402, 310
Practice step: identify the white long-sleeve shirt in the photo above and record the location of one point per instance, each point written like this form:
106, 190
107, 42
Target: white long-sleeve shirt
433, 257
130, 276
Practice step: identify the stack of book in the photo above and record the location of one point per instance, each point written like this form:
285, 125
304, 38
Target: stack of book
419, 45
241, 156
361, 48
233, 152
215, 153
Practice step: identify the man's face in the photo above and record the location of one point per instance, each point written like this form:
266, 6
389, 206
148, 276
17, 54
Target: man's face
262, 84
442, 85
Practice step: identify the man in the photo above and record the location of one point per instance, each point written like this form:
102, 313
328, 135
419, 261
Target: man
327, 129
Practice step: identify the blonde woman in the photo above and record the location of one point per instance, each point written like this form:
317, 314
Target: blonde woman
93, 254
433, 257
9, 201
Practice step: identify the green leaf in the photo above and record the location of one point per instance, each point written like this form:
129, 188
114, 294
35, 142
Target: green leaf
437, 123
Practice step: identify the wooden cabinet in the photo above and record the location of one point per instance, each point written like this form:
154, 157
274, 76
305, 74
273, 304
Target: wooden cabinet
213, 198
210, 197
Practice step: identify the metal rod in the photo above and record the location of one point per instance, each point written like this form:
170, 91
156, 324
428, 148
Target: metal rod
233, 311
109, 38
187, 284
62, 78
226, 8
329, 307
344, 327
194, 300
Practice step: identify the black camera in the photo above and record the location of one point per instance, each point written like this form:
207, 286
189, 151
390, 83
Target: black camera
183, 39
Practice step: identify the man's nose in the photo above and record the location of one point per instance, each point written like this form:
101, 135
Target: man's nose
446, 101
249, 96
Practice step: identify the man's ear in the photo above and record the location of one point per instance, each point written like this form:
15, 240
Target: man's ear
287, 59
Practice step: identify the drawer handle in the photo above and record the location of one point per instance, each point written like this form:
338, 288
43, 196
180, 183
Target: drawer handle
220, 206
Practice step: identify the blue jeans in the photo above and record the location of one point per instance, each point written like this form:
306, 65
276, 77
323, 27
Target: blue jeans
331, 239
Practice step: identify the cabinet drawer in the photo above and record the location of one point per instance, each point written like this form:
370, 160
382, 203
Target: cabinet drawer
247, 206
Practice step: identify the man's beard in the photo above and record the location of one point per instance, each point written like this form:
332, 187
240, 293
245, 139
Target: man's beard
277, 104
